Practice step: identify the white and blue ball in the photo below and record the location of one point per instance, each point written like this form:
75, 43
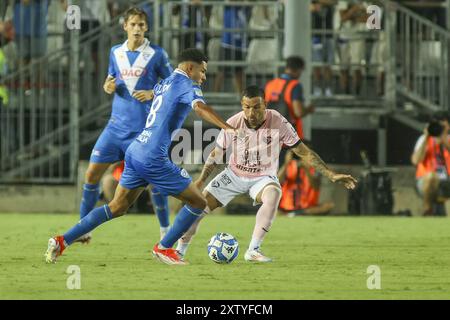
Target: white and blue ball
223, 248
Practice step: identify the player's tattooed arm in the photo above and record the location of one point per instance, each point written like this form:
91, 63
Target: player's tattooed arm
211, 164
312, 159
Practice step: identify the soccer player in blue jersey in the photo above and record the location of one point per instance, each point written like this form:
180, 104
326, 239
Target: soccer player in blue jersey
147, 160
134, 68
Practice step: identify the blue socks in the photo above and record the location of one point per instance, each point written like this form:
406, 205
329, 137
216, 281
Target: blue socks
161, 207
91, 221
185, 218
90, 197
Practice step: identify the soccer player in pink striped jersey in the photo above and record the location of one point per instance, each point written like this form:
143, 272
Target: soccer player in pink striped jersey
253, 166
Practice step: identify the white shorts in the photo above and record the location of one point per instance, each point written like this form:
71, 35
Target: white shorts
352, 52
380, 53
227, 185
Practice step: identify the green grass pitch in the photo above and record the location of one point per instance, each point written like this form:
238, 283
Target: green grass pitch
314, 258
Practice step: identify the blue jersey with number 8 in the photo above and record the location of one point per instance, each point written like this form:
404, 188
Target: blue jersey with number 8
174, 98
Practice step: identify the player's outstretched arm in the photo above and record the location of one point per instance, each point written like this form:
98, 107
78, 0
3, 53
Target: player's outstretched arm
313, 159
208, 114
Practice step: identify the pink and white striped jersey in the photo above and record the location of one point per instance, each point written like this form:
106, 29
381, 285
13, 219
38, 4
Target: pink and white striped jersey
258, 153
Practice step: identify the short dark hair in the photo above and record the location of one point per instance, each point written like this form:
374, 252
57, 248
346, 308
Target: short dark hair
192, 54
295, 63
253, 92
435, 128
134, 11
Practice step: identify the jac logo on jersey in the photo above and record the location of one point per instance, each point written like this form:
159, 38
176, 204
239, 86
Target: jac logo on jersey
132, 73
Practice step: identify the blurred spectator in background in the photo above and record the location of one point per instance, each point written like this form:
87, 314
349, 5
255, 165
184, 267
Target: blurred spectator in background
7, 34
379, 57
234, 43
3, 72
3, 90
214, 46
301, 188
56, 25
263, 17
322, 45
431, 156
117, 7
30, 25
193, 15
93, 14
352, 47
285, 94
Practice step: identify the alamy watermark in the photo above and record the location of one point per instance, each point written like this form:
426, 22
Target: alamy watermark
374, 19
253, 150
74, 280
374, 280
73, 17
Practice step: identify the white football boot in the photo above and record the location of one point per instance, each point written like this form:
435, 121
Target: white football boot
55, 248
256, 255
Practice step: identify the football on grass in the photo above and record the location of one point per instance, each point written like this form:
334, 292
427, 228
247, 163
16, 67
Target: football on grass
223, 248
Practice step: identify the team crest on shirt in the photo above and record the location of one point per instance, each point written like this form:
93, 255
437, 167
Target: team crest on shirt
215, 184
268, 140
184, 174
146, 56
198, 92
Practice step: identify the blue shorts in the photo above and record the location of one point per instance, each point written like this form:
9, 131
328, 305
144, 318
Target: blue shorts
111, 147
162, 174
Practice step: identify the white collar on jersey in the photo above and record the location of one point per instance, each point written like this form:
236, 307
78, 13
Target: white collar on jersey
140, 49
179, 71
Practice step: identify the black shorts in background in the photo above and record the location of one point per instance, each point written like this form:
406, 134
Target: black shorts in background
232, 54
